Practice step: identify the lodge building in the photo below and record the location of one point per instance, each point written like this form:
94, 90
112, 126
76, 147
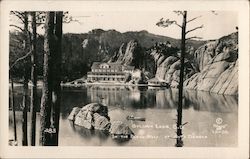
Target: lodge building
108, 72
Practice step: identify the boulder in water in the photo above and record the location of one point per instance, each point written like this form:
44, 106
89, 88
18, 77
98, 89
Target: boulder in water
120, 131
93, 116
73, 113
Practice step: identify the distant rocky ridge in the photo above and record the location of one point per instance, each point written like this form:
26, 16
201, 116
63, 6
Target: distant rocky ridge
81, 50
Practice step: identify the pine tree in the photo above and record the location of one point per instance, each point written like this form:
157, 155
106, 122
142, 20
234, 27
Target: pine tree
46, 103
166, 23
33, 96
25, 84
56, 94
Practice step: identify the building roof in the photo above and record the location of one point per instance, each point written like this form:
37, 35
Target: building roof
95, 65
112, 65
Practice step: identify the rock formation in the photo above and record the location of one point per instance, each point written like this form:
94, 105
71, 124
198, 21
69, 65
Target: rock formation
213, 67
218, 63
129, 54
121, 131
73, 113
132, 54
95, 116
168, 65
92, 116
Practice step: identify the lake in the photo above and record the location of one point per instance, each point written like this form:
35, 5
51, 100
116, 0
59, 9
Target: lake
212, 118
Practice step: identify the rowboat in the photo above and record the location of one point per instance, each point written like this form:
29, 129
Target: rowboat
131, 117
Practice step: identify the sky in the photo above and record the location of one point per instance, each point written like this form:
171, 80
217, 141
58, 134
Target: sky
215, 25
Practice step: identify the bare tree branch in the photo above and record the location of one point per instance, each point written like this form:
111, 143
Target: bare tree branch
194, 37
193, 19
19, 15
29, 33
18, 27
199, 27
21, 58
177, 24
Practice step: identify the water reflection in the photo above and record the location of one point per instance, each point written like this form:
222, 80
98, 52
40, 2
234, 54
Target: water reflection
140, 98
161, 98
157, 105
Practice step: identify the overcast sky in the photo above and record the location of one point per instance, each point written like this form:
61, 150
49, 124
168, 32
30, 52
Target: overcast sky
215, 25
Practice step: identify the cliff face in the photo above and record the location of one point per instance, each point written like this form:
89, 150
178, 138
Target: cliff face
126, 53
213, 67
133, 54
168, 65
218, 65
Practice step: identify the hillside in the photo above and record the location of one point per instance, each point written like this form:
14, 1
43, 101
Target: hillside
209, 66
81, 50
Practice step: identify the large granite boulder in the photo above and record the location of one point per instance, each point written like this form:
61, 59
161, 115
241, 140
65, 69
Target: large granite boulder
73, 113
169, 70
120, 130
163, 70
93, 116
205, 53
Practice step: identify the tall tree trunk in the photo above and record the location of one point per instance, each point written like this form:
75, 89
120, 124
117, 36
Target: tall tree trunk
45, 111
179, 142
13, 108
25, 84
24, 105
56, 94
33, 96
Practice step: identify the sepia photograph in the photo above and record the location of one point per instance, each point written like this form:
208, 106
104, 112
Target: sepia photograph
139, 77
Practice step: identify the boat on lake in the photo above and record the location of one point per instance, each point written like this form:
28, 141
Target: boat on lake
131, 117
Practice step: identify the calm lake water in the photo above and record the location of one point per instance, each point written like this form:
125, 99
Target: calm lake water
212, 119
